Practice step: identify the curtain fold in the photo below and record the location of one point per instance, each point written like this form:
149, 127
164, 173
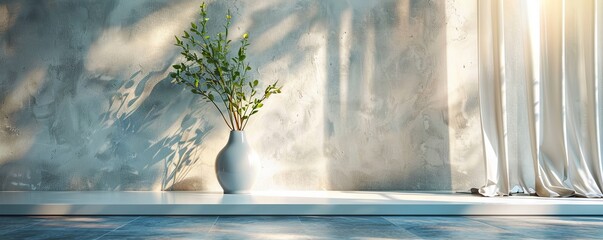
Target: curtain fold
540, 97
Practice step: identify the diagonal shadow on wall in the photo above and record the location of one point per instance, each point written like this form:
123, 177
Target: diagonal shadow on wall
382, 69
87, 105
53, 93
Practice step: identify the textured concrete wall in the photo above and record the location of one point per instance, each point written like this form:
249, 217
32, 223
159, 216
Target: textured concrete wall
377, 95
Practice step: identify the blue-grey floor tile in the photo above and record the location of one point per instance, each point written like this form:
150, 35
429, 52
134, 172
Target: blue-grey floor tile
66, 234
257, 227
91, 223
166, 227
353, 227
598, 219
549, 227
154, 235
12, 223
451, 228
304, 227
171, 223
257, 219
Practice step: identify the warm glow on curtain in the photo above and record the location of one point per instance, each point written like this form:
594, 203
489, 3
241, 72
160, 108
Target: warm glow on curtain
541, 82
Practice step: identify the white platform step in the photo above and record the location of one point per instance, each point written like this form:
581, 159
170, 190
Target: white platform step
288, 203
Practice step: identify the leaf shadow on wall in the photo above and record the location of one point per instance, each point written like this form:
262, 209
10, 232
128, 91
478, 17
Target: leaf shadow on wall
90, 108
80, 122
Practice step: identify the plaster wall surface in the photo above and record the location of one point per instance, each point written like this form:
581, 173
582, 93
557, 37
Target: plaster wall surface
377, 95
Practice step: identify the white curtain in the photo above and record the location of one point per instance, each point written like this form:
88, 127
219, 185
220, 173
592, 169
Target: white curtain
541, 96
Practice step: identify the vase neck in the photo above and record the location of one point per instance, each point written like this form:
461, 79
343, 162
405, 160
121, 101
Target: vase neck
237, 137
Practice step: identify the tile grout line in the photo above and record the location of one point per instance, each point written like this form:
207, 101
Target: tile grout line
497, 227
486, 223
118, 227
300, 223
26, 226
214, 224
483, 222
402, 228
392, 222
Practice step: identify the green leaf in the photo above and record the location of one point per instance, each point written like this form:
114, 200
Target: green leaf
209, 68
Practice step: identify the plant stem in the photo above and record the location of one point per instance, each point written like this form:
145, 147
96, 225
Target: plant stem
236, 117
245, 114
230, 116
222, 114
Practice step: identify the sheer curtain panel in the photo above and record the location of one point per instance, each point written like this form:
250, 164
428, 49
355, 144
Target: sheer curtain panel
541, 90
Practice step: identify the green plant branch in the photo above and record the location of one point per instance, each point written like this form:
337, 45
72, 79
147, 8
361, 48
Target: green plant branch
216, 71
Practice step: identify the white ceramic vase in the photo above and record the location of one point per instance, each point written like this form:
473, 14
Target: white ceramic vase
237, 165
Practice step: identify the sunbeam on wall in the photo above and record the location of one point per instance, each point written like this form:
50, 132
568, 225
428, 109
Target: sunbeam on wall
377, 95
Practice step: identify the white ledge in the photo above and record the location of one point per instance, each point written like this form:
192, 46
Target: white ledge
288, 203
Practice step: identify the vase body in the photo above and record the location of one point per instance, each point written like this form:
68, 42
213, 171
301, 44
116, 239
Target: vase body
237, 165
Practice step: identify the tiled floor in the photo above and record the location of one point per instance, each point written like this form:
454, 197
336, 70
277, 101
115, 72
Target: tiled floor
302, 227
